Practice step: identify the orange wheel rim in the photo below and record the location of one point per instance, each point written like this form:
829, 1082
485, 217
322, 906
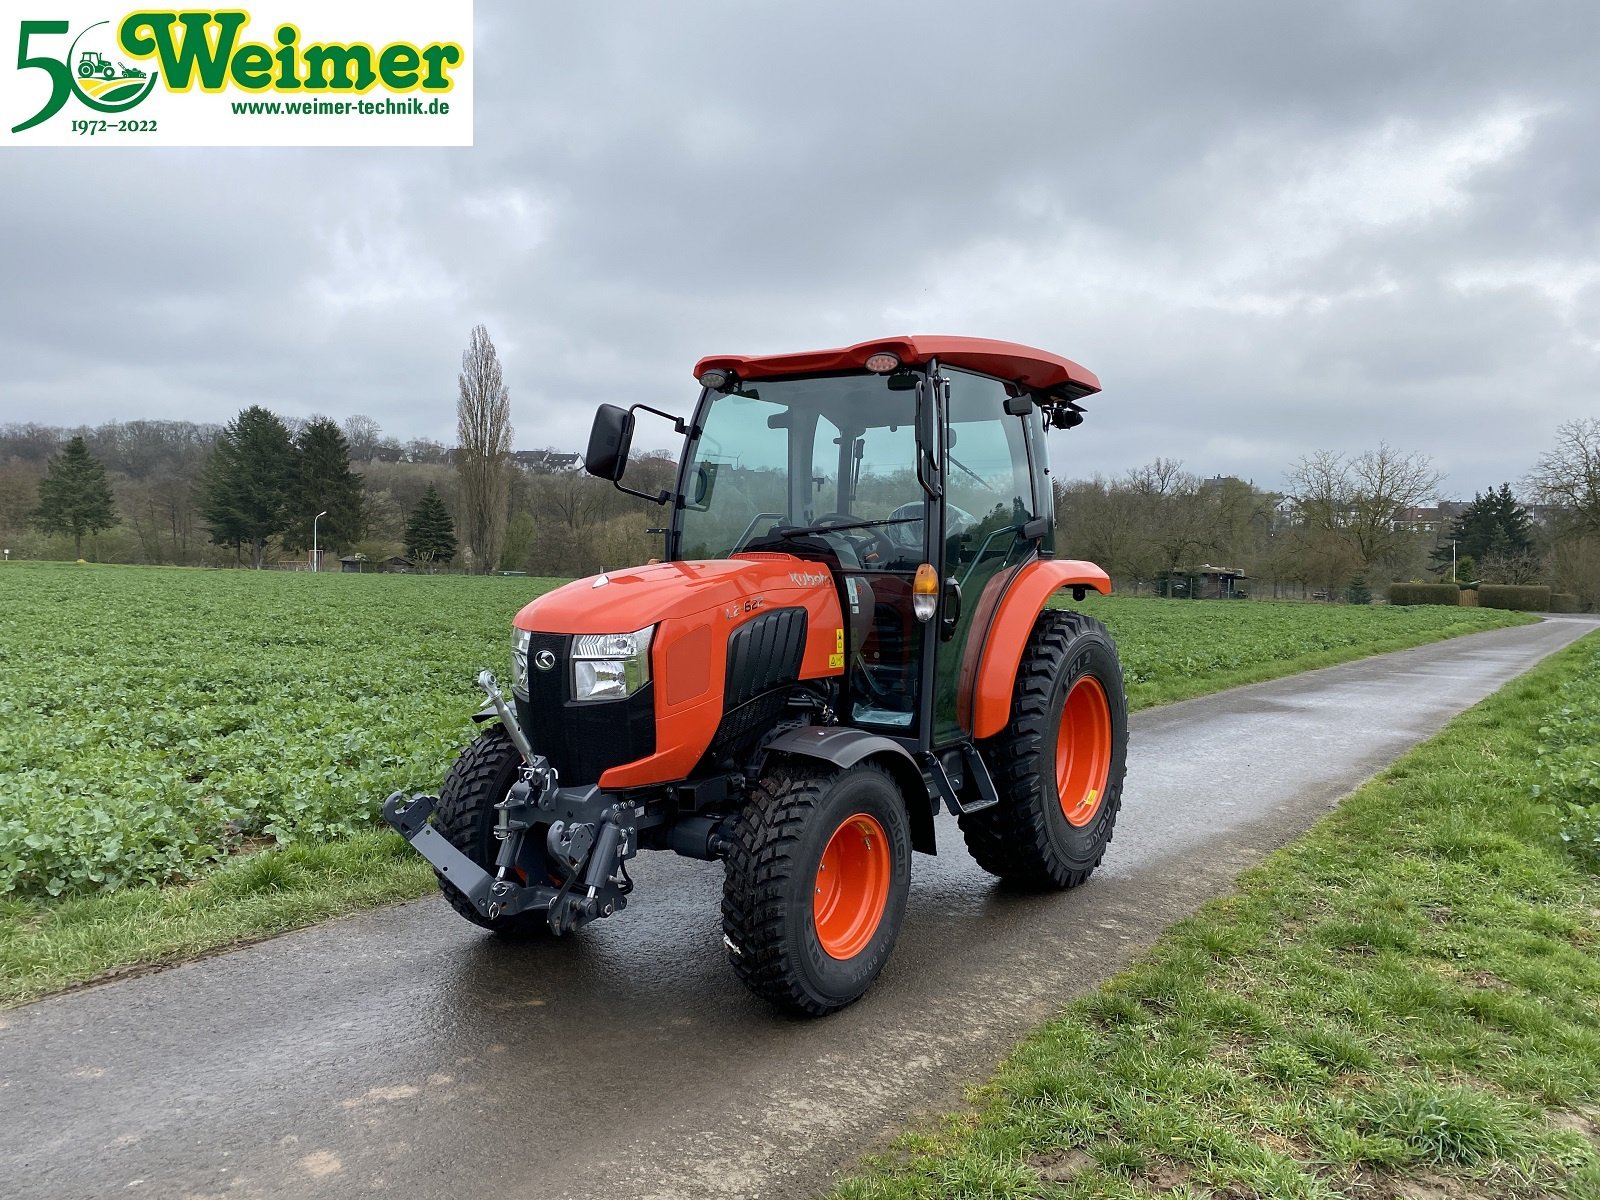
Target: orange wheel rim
1083, 750
852, 887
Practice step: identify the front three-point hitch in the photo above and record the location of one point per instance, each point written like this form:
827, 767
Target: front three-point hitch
562, 850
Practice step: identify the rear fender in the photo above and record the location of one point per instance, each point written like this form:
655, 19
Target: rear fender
994, 651
844, 747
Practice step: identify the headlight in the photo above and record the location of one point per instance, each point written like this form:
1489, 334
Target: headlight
610, 666
519, 660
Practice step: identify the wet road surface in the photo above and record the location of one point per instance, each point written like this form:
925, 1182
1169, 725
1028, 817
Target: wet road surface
406, 1053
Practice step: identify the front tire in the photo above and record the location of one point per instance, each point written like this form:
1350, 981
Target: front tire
1059, 764
816, 883
478, 780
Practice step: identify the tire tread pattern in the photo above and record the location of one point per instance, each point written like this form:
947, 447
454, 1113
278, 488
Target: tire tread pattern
755, 913
1010, 839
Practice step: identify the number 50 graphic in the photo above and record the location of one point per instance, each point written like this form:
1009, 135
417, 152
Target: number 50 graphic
98, 84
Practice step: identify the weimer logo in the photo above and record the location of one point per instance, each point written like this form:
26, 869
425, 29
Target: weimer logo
88, 72
231, 77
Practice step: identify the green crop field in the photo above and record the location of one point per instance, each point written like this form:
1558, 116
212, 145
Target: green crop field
154, 721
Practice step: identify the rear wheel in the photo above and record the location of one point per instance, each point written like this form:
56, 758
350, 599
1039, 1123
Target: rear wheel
816, 883
1059, 763
478, 780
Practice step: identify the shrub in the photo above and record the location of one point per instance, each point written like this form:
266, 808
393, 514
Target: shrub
1425, 593
1517, 597
1563, 602
1358, 592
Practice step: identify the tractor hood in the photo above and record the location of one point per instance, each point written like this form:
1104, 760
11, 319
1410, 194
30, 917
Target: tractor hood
622, 601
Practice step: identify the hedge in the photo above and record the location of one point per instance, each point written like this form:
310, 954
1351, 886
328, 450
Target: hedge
1515, 596
1563, 602
1425, 593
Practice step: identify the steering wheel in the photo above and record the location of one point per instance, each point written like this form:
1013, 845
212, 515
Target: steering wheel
909, 535
859, 542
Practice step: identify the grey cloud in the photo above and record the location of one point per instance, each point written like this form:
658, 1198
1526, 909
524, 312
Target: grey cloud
1271, 228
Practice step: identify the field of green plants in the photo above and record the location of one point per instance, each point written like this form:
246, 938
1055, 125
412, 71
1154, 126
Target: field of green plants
1163, 643
153, 721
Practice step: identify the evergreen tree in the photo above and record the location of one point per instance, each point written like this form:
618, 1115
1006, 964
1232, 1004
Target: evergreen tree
245, 487
324, 482
1493, 525
430, 534
74, 496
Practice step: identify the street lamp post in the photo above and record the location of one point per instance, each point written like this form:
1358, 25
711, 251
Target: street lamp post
1453, 578
316, 563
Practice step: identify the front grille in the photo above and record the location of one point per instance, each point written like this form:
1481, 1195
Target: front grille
581, 740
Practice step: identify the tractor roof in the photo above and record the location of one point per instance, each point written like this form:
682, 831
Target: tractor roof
1036, 370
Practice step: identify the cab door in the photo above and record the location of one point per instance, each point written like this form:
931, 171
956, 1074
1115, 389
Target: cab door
995, 491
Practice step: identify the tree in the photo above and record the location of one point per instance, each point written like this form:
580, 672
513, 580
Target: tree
518, 545
324, 482
74, 496
430, 534
246, 484
483, 459
1568, 477
1493, 527
1356, 501
363, 435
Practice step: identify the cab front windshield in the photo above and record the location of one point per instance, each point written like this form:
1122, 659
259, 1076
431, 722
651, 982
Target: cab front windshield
836, 455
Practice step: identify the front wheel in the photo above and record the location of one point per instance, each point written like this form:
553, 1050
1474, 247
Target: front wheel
1059, 764
816, 883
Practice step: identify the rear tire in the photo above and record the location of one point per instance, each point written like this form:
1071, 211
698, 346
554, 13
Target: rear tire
478, 780
816, 883
1059, 764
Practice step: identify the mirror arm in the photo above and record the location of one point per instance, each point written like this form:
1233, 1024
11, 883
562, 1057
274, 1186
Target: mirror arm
653, 497
679, 425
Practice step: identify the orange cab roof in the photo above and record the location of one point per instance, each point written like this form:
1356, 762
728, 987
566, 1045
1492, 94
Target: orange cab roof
1037, 370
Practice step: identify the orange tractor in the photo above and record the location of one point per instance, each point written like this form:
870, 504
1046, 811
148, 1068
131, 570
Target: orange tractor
848, 631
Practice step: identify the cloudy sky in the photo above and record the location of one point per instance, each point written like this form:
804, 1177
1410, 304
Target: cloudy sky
1270, 227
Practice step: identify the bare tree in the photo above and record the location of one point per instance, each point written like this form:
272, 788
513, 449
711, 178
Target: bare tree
1358, 500
483, 460
363, 434
1568, 477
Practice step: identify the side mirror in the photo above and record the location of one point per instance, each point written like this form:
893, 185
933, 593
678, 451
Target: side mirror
610, 438
705, 482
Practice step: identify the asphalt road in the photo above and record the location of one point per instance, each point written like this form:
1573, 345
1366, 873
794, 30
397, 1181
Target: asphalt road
403, 1052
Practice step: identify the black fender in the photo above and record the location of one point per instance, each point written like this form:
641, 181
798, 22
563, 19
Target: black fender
844, 747
487, 713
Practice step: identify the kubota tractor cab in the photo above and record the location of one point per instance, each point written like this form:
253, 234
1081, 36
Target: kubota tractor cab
847, 631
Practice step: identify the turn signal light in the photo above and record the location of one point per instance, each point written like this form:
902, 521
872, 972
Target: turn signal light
925, 592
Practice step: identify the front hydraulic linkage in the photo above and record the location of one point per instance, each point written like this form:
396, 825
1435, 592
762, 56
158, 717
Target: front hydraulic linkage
588, 837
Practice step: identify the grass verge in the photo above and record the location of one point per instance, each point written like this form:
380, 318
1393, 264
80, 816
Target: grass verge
1171, 650
45, 947
1405, 1002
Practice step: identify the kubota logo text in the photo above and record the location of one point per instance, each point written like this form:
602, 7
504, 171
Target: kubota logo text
363, 72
